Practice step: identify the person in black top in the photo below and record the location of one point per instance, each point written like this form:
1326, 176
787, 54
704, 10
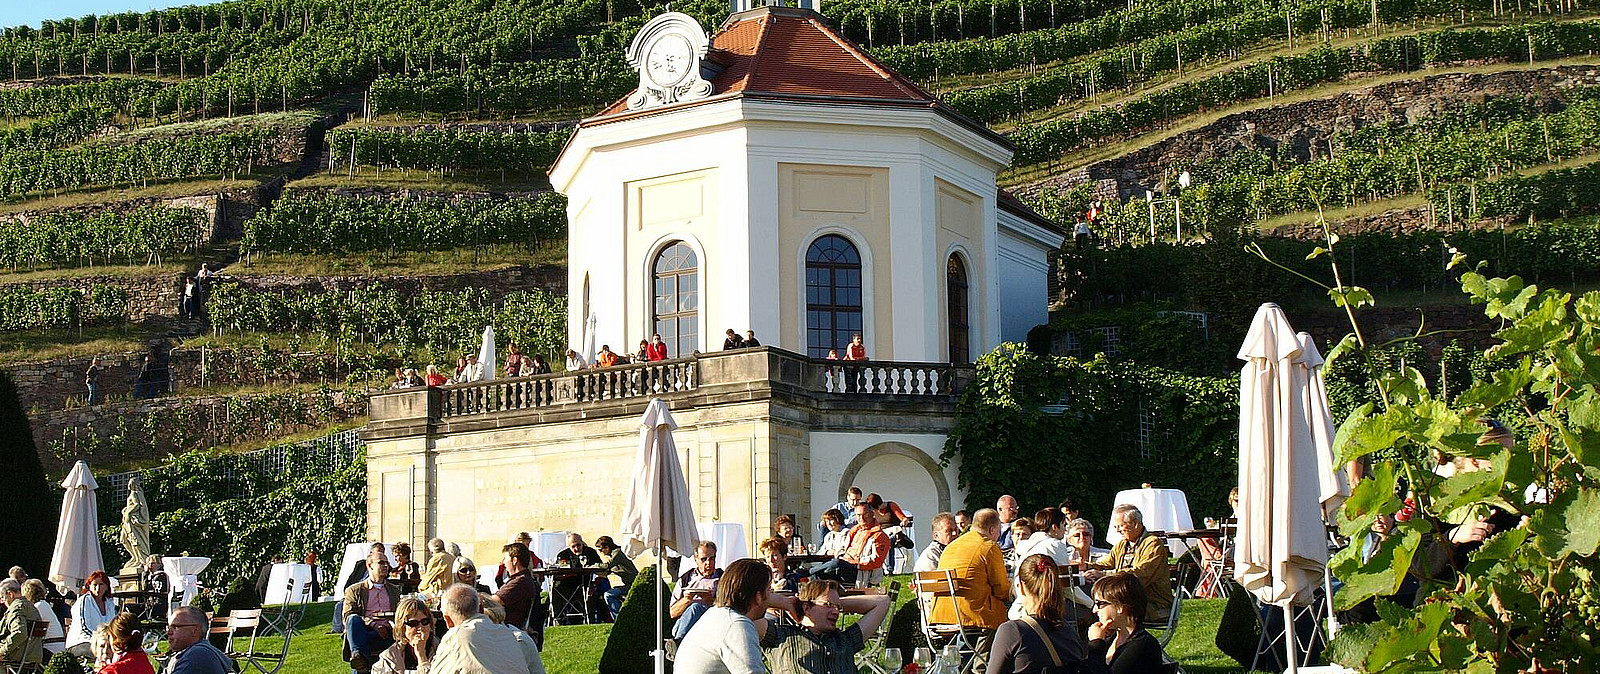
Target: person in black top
750, 339
1119, 638
1021, 646
265, 576
568, 588
154, 580
407, 574
733, 341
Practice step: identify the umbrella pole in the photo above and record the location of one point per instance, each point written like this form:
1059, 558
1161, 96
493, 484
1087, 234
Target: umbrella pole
1288, 637
1327, 600
659, 653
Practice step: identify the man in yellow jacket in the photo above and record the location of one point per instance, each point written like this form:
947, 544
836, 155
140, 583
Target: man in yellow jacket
982, 591
1142, 554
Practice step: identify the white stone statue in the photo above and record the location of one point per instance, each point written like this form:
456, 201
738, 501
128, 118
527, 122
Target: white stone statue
135, 536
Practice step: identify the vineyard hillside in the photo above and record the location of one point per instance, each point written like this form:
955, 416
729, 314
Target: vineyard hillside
363, 181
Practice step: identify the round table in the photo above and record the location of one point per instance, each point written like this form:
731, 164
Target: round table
1163, 510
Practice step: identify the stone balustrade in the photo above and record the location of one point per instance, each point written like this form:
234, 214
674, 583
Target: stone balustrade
701, 379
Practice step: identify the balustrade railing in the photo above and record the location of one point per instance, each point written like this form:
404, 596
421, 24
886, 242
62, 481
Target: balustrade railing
889, 378
611, 383
625, 382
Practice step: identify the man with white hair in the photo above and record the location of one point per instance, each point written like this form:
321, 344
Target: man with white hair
436, 577
1006, 505
20, 614
475, 644
1140, 553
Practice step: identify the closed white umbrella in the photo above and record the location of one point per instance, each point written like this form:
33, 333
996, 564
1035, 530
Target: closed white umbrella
658, 513
486, 358
1287, 479
77, 551
589, 325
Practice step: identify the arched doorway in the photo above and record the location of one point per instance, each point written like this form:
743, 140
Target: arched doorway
905, 474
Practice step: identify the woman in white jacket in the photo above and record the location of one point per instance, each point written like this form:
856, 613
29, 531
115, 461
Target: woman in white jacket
93, 609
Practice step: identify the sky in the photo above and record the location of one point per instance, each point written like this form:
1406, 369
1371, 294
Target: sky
31, 12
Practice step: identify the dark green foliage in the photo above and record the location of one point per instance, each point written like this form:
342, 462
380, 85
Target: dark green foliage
1007, 444
29, 506
628, 647
1151, 334
63, 663
326, 223
1039, 340
241, 595
212, 504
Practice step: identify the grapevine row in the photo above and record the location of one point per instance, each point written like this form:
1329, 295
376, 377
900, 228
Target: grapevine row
1558, 193
442, 321
325, 223
25, 308
218, 155
1384, 162
1043, 141
428, 149
54, 132
114, 94
131, 236
507, 89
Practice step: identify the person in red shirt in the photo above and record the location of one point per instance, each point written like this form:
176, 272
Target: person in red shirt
434, 378
657, 349
866, 549
856, 350
129, 657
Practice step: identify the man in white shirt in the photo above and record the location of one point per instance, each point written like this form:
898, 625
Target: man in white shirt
475, 644
944, 531
727, 638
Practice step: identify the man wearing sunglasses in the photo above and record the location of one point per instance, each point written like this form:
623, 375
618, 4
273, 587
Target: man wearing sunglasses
367, 608
696, 589
191, 653
816, 645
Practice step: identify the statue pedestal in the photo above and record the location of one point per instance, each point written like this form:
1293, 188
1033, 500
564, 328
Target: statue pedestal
127, 581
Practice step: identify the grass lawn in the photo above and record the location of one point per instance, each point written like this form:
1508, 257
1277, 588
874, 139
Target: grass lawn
577, 649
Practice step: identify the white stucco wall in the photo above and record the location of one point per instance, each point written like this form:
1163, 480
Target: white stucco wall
912, 486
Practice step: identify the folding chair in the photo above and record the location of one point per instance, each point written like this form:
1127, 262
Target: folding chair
931, 587
36, 631
1180, 574
869, 659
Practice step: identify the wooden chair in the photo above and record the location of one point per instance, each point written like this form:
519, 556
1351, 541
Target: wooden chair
1180, 574
932, 587
36, 631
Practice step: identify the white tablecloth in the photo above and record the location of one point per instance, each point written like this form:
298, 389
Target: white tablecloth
354, 553
1163, 510
278, 588
729, 537
181, 572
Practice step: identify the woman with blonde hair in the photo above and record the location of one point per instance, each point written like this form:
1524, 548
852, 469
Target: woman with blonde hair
414, 640
126, 645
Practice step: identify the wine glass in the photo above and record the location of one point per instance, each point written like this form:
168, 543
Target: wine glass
923, 656
891, 659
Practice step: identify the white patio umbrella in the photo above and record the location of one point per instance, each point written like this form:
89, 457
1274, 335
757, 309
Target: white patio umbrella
589, 349
658, 514
77, 551
1288, 485
486, 358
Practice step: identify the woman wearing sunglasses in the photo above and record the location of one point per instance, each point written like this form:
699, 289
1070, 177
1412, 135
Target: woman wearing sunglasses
467, 574
414, 642
1119, 637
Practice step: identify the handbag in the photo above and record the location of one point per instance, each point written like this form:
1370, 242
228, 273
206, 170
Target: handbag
901, 540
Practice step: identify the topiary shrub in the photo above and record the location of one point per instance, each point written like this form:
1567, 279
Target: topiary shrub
1240, 627
63, 663
241, 595
633, 635
28, 513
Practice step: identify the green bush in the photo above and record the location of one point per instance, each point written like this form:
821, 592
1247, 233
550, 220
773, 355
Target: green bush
632, 635
63, 663
1123, 424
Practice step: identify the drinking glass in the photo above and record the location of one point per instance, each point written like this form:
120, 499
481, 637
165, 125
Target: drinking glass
923, 656
891, 659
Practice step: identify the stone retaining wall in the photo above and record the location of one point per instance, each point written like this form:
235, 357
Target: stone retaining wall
149, 297
207, 418
550, 278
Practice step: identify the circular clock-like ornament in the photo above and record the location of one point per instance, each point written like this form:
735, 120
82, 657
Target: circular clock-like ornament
668, 61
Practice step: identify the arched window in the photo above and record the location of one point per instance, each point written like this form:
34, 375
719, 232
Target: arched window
955, 284
833, 295
676, 305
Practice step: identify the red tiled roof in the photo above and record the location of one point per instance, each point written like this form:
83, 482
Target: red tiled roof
1010, 203
788, 53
